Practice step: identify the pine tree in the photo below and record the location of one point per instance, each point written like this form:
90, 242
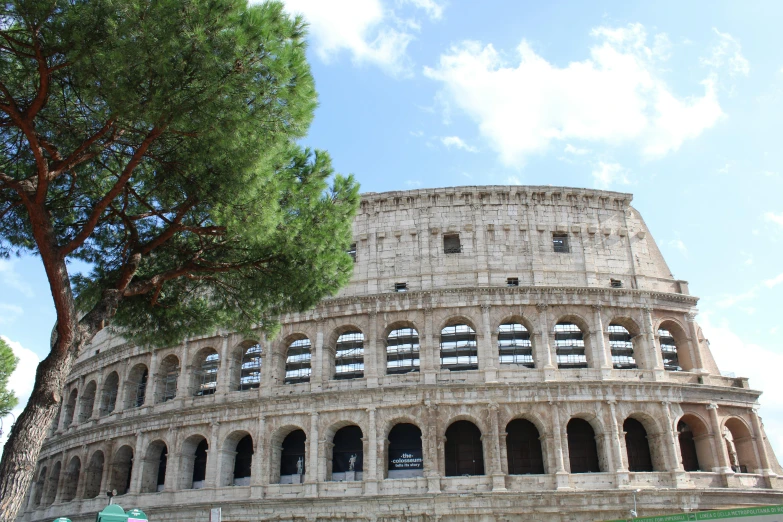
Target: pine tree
8, 362
157, 141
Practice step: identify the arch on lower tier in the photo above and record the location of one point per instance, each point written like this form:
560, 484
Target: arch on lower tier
347, 459
70, 408
52, 482
109, 393
740, 446
40, 486
652, 435
582, 447
71, 479
695, 443
121, 470
167, 379
237, 451
463, 450
404, 451
94, 474
524, 454
153, 474
193, 465
87, 401
293, 454
136, 386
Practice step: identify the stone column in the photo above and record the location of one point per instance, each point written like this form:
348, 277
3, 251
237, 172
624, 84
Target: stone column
770, 477
312, 472
717, 439
119, 402
273, 359
693, 332
430, 447
224, 370
107, 460
616, 449
171, 481
138, 463
561, 475
495, 469
96, 403
487, 350
319, 376
259, 476
371, 479
371, 368
58, 492
653, 355
598, 344
429, 349
213, 451
673, 443
545, 352
185, 372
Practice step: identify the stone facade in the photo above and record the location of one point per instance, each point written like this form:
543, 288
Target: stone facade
540, 288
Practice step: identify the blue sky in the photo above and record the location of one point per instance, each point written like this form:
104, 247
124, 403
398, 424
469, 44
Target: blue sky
677, 103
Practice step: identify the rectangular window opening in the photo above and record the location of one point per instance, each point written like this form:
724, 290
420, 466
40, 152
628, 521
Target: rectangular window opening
560, 243
352, 252
451, 244
616, 283
512, 281
400, 287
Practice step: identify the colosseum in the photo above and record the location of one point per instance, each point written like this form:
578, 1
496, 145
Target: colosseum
500, 354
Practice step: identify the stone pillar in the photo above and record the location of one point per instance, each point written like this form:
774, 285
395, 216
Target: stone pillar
770, 477
429, 349
616, 446
224, 370
119, 402
312, 472
717, 440
107, 460
693, 333
172, 481
561, 475
138, 463
58, 492
96, 403
653, 356
319, 376
259, 476
487, 350
430, 447
273, 357
495, 469
185, 372
598, 345
371, 478
372, 370
211, 478
673, 444
546, 354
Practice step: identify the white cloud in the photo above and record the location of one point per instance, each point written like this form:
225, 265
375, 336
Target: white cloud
513, 180
368, 30
761, 364
417, 134
725, 169
10, 277
774, 218
730, 300
727, 53
413, 183
457, 143
570, 149
9, 313
606, 174
775, 281
616, 96
21, 381
679, 245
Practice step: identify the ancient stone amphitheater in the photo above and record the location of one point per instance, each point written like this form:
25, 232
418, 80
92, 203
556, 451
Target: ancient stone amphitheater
501, 354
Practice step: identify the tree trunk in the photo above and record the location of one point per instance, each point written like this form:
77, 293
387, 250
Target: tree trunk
20, 454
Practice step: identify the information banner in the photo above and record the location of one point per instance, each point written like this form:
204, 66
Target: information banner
752, 514
405, 459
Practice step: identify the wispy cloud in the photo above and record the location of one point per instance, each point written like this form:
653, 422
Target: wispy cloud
606, 174
679, 245
730, 300
774, 218
10, 277
457, 143
433, 9
9, 313
413, 183
775, 281
727, 54
523, 103
570, 149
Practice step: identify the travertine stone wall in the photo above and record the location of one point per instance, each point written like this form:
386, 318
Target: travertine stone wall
505, 232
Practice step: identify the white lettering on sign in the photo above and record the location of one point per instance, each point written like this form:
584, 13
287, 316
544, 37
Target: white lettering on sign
407, 460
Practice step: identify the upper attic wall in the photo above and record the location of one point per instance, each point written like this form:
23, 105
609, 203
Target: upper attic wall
505, 232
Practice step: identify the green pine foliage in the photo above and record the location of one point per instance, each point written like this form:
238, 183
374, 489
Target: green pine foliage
193, 108
8, 362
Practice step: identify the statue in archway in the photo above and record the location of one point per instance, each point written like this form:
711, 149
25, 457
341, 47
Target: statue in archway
352, 462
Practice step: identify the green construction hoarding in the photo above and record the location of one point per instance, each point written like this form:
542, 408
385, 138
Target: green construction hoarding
752, 514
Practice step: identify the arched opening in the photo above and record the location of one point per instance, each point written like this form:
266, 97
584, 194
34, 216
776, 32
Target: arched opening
523, 447
194, 462
464, 452
70, 408
402, 350
94, 475
582, 449
51, 485
154, 473
297, 361
109, 394
136, 386
205, 375
243, 461
168, 374
621, 345
250, 368
405, 456
87, 402
347, 454
690, 458
514, 346
121, 470
695, 444
570, 346
71, 481
637, 446
292, 458
40, 485
458, 348
56, 423
349, 356
669, 351
739, 446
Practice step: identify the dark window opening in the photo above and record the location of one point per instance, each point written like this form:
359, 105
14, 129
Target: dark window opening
671, 361
458, 348
690, 459
560, 243
622, 348
293, 453
464, 453
405, 452
200, 463
523, 447
250, 372
451, 244
352, 251
402, 351
512, 281
161, 480
349, 356
616, 283
244, 458
570, 346
297, 362
347, 449
582, 450
514, 345
637, 446
400, 287
207, 374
